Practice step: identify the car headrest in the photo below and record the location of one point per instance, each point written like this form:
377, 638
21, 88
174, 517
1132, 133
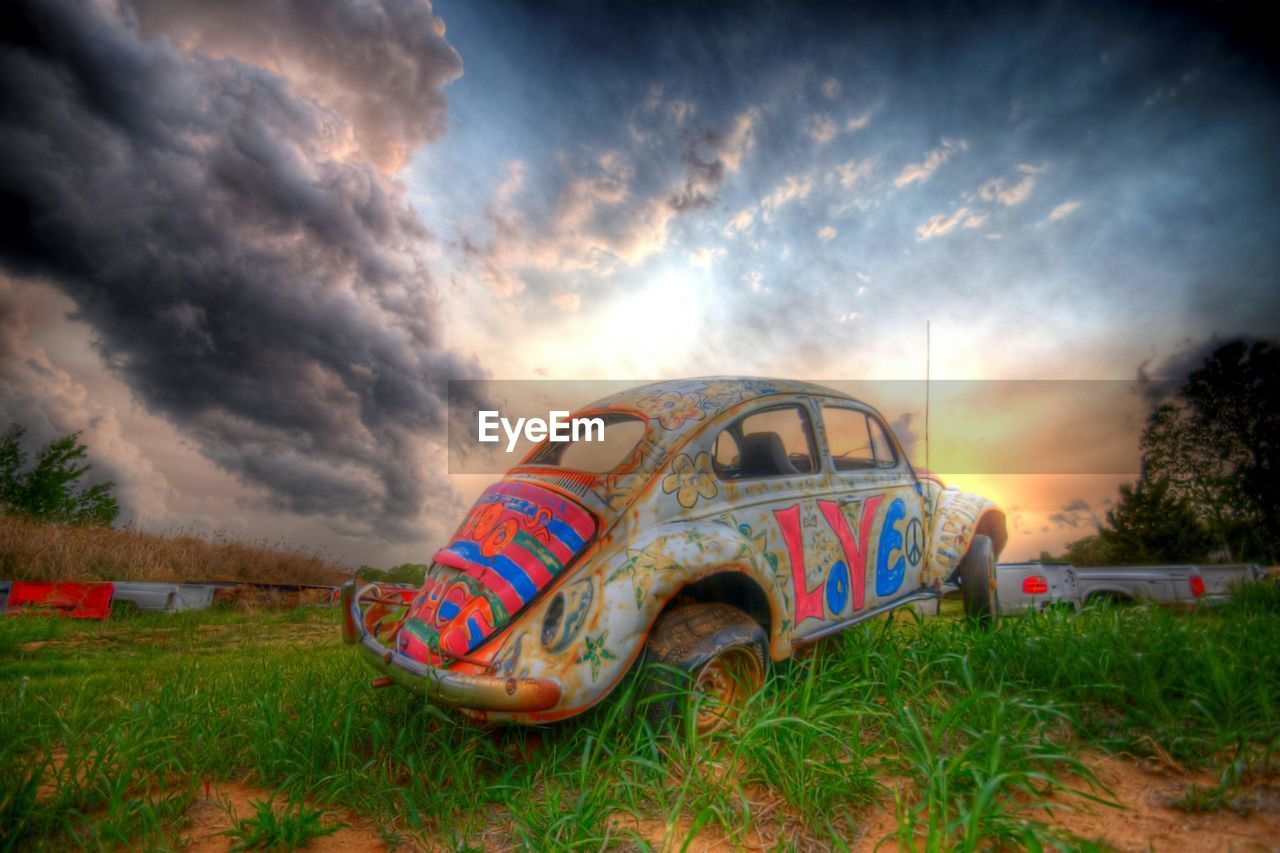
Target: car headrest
764, 456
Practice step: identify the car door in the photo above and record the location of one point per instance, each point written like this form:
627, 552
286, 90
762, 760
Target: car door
768, 462
880, 500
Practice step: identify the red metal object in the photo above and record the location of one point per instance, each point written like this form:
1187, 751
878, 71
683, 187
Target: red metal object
1197, 586
346, 596
75, 600
1035, 585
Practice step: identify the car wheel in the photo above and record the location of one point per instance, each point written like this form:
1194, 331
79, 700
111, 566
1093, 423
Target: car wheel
710, 649
977, 575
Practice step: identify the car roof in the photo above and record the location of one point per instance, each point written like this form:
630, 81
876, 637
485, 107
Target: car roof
679, 407
716, 393
674, 411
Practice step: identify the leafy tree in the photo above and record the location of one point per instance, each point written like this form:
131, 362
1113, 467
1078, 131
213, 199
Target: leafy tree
1152, 525
1088, 551
407, 573
1215, 443
47, 491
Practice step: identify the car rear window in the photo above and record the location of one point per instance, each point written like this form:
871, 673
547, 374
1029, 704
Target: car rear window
622, 433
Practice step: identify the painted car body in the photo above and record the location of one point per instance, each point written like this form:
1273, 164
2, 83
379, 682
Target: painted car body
543, 599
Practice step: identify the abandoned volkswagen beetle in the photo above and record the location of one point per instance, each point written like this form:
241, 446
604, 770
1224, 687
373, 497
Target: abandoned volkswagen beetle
720, 525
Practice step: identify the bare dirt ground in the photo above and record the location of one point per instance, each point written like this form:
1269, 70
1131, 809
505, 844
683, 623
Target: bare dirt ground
1145, 789
1149, 822
211, 816
1146, 821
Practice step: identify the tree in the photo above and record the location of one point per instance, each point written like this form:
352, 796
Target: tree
1152, 525
47, 491
1088, 551
1215, 443
413, 574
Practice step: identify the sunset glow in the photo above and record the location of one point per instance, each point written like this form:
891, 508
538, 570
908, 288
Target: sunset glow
275, 253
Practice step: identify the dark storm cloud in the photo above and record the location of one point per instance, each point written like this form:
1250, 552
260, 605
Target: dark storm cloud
704, 171
1075, 514
382, 65
251, 280
1159, 382
907, 437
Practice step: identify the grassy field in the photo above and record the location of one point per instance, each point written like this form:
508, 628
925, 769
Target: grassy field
934, 734
31, 550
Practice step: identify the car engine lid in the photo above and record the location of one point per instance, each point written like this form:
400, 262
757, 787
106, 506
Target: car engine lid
515, 540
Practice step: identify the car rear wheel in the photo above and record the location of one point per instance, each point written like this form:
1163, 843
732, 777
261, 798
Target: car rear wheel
977, 575
713, 653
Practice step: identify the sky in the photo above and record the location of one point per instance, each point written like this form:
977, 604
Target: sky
243, 246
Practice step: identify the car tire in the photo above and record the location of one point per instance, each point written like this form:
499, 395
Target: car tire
714, 649
977, 576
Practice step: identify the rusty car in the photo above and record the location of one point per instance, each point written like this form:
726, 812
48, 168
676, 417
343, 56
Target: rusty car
721, 525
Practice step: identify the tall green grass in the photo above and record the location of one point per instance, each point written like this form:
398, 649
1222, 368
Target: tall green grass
111, 730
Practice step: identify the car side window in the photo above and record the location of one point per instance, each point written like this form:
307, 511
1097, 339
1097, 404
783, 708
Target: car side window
857, 441
849, 439
772, 443
726, 452
882, 445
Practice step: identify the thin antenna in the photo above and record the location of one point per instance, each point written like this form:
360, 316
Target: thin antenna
928, 353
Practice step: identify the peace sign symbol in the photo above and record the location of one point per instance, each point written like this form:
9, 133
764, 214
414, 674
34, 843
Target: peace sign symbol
915, 541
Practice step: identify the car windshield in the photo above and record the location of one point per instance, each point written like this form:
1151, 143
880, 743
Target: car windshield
590, 451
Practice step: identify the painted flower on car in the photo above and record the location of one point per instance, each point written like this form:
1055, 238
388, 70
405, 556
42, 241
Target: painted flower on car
691, 479
672, 408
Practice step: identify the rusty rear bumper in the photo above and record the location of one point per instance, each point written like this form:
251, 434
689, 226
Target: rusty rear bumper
441, 686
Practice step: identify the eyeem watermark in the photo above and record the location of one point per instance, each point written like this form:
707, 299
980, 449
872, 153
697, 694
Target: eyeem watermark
557, 427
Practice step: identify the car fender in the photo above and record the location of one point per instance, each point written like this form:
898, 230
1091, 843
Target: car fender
955, 518
625, 590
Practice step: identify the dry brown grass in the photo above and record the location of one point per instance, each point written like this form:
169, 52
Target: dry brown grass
33, 551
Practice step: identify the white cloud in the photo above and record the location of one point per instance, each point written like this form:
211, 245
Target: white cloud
852, 172
976, 220
826, 233
822, 129
681, 111
941, 223
755, 278
502, 282
831, 88
791, 189
740, 222
998, 190
858, 122
512, 185
1063, 210
863, 277
706, 256
848, 318
566, 301
740, 140
933, 160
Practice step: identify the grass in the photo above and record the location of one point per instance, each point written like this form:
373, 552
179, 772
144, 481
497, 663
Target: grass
112, 729
30, 550
294, 826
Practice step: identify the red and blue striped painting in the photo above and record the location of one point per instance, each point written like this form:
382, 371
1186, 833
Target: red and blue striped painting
513, 542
